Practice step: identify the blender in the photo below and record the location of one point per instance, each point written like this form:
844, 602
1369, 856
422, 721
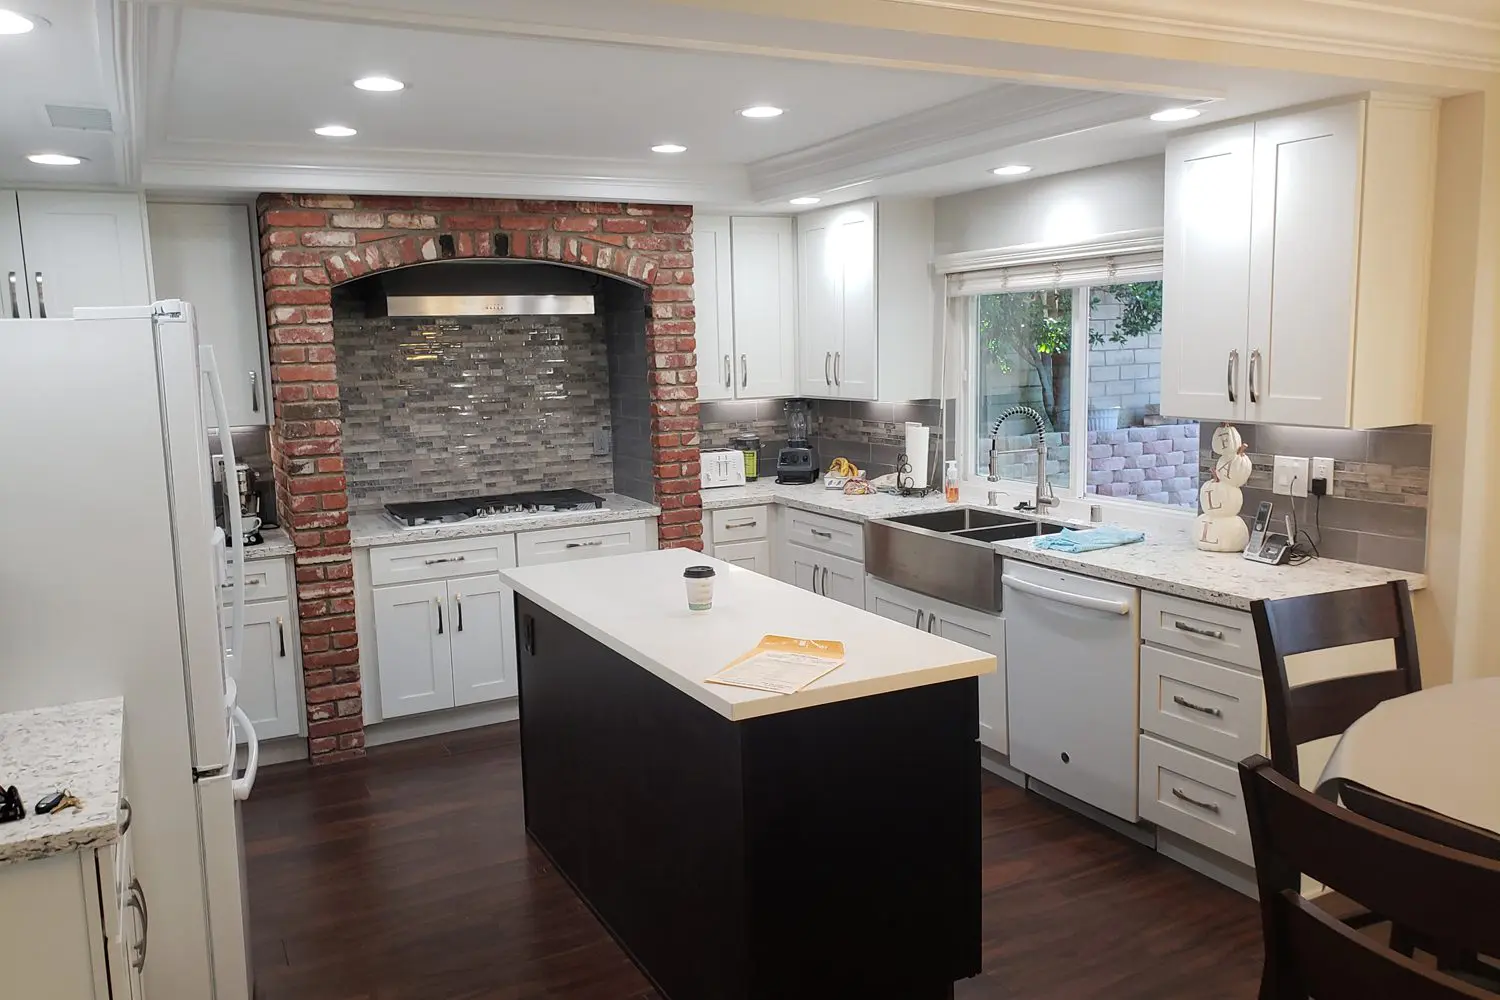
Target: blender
796, 462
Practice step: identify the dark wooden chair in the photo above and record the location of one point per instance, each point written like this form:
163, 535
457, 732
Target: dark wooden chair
1295, 625
1442, 893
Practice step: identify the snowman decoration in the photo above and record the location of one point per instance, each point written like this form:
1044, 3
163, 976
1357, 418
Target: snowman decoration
1219, 528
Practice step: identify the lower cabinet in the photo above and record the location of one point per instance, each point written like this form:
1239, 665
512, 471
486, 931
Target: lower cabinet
975, 629
269, 674
831, 576
445, 643
754, 556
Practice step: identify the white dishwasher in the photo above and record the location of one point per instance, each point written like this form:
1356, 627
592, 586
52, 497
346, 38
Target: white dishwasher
1072, 653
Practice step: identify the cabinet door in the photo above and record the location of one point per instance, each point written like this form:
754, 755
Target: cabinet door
268, 674
843, 580
1302, 266
203, 254
820, 297
765, 308
411, 634
801, 568
978, 630
483, 641
854, 355
1206, 274
754, 556
15, 284
89, 250
713, 294
896, 604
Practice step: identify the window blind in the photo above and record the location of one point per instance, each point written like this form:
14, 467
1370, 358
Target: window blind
1039, 275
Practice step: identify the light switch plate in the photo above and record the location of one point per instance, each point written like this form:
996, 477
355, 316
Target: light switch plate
602, 441
1290, 476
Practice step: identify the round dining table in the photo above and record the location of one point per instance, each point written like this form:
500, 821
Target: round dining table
1438, 748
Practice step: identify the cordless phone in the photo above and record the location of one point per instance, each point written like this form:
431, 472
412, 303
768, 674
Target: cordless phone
1267, 546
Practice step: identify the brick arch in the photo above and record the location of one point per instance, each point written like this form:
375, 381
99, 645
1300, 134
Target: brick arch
309, 243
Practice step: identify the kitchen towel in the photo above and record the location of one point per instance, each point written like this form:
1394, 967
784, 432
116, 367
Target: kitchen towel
1089, 539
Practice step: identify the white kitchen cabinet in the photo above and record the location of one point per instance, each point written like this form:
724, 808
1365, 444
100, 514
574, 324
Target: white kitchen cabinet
754, 556
867, 327
269, 672
82, 249
589, 541
16, 287
416, 657
483, 639
831, 576
1296, 262
206, 255
713, 297
975, 629
764, 277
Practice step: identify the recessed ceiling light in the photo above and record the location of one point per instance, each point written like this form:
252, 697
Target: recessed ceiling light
55, 159
668, 147
806, 200
12, 23
336, 131
1011, 170
1176, 115
379, 84
761, 111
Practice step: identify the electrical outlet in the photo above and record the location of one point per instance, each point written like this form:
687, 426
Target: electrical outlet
1322, 468
1290, 477
602, 441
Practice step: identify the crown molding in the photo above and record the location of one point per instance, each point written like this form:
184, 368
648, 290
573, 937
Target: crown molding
989, 121
1107, 245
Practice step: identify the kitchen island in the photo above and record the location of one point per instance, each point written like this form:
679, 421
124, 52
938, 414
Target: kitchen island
739, 844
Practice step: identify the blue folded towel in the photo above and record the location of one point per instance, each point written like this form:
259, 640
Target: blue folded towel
1089, 539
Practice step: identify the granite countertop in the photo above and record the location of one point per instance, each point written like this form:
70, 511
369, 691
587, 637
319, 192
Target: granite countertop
77, 747
834, 503
1169, 563
375, 528
275, 544
636, 604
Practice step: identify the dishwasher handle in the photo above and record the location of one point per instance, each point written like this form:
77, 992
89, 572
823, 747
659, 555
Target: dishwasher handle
1065, 596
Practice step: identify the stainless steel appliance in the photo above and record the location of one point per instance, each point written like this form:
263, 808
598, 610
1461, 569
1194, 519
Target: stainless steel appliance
420, 512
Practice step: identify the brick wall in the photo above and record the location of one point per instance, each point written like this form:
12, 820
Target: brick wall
310, 243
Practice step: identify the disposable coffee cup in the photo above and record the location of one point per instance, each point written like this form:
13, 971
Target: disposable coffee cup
700, 587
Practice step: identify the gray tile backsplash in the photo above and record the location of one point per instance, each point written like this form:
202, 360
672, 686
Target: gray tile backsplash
448, 407
1376, 510
629, 394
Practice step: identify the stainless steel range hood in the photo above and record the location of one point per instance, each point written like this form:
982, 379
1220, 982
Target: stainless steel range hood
488, 305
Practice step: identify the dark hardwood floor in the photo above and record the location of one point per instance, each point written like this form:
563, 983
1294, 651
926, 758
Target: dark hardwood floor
408, 876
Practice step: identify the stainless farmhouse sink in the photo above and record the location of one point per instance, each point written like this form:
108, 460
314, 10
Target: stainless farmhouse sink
947, 553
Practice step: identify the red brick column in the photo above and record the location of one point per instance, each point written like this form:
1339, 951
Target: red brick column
310, 243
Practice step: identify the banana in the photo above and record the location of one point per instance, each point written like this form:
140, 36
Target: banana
842, 467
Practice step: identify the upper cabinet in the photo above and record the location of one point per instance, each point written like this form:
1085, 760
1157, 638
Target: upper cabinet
763, 266
867, 327
1296, 259
63, 249
713, 295
205, 255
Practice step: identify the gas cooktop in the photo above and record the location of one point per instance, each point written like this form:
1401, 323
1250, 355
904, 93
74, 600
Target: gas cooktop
423, 512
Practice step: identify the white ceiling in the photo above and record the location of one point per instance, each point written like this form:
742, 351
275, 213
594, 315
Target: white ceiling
563, 98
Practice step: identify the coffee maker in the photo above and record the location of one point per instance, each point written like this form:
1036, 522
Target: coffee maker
244, 488
797, 463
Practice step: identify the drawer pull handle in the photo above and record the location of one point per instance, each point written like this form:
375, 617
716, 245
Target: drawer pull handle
458, 599
1180, 700
439, 602
744, 371
741, 524
584, 545
444, 559
1185, 797
825, 581
821, 534
920, 614
1207, 633
281, 636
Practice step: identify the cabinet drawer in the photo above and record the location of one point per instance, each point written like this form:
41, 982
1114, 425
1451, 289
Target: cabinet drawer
1199, 798
1204, 629
590, 541
740, 524
265, 579
416, 561
826, 534
1208, 707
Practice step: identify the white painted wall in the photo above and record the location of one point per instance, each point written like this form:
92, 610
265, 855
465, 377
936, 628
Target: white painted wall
1063, 208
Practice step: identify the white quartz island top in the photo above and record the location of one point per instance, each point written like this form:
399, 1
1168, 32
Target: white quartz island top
77, 747
377, 528
1169, 563
636, 605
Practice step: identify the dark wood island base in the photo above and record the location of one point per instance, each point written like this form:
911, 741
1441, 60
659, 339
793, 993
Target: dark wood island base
823, 853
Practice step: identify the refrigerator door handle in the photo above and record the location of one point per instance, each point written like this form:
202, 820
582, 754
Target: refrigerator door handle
210, 368
242, 785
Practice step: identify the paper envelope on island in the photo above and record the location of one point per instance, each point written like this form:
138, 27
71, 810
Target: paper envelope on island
782, 664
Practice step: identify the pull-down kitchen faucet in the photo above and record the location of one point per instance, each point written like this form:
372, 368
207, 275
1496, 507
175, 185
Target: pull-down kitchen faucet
1044, 495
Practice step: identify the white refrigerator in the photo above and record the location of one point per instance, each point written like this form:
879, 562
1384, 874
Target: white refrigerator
115, 580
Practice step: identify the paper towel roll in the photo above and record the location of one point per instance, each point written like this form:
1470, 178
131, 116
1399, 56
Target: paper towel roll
917, 441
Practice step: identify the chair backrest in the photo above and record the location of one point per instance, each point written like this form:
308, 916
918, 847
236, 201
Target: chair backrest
1327, 959
1443, 894
1418, 821
1298, 625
